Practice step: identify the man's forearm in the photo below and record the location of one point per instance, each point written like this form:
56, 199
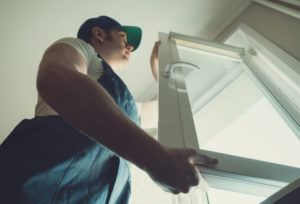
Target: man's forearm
86, 105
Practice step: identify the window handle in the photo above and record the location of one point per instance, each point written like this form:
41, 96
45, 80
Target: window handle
171, 66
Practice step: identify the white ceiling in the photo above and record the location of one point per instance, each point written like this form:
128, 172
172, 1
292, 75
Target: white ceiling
29, 27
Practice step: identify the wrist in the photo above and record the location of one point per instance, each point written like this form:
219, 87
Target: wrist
156, 159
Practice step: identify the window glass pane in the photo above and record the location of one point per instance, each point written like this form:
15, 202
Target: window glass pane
219, 196
231, 113
144, 190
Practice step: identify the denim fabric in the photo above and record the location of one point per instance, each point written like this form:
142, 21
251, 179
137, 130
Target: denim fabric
46, 160
119, 92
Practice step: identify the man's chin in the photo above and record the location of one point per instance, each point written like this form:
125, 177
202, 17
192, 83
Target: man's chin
122, 64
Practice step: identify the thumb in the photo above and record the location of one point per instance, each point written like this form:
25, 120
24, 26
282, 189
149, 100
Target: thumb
201, 159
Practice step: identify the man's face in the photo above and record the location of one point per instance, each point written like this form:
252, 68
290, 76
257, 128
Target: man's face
116, 48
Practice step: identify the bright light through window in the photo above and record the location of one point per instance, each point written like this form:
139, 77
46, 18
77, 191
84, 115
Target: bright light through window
241, 121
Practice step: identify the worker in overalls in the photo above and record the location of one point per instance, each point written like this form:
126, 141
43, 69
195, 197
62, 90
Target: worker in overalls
85, 132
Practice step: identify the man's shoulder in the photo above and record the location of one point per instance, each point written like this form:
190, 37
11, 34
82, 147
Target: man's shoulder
75, 42
85, 49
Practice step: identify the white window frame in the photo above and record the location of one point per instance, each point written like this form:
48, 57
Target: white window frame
285, 94
281, 8
176, 126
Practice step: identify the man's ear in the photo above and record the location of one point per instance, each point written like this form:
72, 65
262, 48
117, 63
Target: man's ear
98, 34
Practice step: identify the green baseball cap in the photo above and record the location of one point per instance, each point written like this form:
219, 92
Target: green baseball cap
134, 33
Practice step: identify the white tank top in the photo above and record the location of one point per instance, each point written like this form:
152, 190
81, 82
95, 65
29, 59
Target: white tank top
95, 69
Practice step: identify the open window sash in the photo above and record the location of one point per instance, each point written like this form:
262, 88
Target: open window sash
179, 105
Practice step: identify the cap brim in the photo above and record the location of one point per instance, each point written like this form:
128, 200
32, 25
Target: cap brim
134, 35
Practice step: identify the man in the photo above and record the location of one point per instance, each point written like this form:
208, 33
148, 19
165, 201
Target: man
86, 127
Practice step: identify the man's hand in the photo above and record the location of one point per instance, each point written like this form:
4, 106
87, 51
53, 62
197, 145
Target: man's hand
178, 173
154, 60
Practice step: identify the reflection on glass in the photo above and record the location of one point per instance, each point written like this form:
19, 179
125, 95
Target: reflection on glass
232, 115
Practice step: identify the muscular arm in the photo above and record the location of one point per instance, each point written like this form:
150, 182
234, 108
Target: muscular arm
62, 82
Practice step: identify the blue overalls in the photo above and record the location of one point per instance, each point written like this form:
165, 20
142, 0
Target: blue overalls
46, 160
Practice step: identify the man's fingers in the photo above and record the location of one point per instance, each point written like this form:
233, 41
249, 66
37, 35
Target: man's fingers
193, 177
200, 159
156, 45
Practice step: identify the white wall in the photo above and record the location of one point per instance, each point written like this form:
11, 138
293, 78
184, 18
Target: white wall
283, 30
